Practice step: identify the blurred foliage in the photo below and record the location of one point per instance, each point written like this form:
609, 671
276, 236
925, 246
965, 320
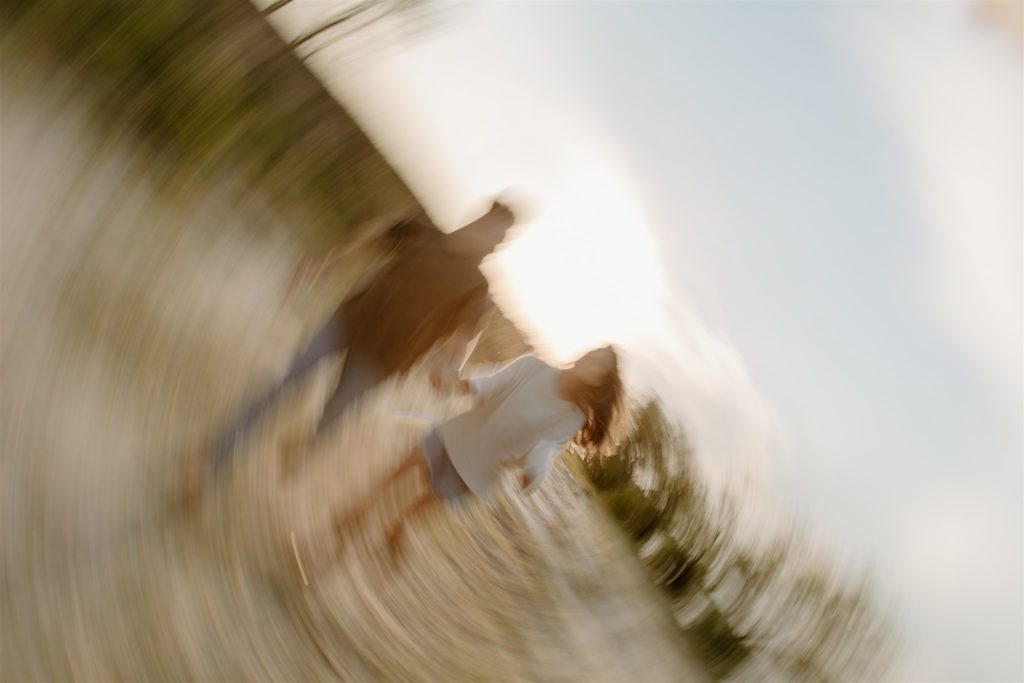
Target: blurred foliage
717, 643
769, 610
634, 509
353, 16
211, 88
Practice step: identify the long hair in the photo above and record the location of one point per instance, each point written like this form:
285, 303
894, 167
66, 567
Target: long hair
601, 404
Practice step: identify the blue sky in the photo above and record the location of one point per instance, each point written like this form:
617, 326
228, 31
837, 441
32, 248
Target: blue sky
819, 210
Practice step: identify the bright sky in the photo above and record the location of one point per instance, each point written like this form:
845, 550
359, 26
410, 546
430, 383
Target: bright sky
802, 221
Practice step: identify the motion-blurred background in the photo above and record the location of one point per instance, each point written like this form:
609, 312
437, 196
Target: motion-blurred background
802, 222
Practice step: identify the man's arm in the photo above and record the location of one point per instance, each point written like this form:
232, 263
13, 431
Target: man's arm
471, 315
537, 464
312, 266
457, 350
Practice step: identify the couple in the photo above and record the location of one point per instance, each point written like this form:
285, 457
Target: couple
434, 293
431, 292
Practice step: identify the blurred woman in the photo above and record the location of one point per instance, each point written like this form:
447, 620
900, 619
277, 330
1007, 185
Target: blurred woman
524, 416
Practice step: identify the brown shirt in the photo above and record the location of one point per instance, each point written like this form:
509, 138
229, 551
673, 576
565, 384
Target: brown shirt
423, 296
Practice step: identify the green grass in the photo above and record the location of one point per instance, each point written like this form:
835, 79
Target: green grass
210, 89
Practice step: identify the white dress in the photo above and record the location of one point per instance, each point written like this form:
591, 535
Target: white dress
519, 419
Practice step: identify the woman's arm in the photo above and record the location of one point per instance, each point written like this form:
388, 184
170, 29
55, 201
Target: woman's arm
537, 464
486, 386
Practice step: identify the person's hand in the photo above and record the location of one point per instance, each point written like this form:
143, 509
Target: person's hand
443, 381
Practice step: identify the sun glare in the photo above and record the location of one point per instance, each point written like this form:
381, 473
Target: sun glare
586, 272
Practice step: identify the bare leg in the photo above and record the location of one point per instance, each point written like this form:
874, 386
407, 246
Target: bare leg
415, 458
293, 450
345, 522
425, 502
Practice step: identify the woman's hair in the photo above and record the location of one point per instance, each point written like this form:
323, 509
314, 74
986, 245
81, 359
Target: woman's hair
601, 404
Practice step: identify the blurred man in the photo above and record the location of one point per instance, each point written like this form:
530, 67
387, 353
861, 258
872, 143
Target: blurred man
432, 291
